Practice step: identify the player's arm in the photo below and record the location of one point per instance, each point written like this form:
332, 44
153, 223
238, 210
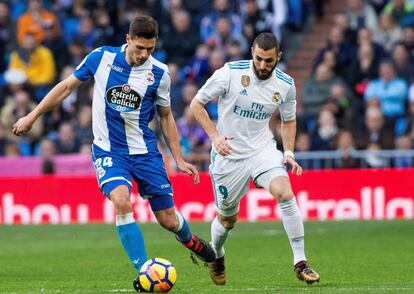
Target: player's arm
216, 86
288, 129
52, 99
220, 142
170, 133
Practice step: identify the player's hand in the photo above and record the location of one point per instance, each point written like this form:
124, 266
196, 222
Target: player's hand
296, 168
221, 144
22, 126
189, 169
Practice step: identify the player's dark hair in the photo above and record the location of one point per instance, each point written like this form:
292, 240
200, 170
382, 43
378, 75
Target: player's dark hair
266, 41
143, 27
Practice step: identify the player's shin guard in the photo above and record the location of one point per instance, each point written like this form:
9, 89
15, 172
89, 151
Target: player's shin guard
183, 231
132, 239
219, 235
293, 224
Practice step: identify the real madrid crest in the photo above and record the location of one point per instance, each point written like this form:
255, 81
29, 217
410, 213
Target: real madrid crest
276, 97
245, 80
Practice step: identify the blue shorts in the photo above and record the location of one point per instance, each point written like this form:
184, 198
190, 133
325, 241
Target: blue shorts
148, 171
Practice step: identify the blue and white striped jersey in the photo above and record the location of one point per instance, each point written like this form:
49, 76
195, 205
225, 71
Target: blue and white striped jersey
124, 99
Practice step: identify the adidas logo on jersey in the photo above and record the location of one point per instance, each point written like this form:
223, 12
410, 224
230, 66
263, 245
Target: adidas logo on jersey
243, 92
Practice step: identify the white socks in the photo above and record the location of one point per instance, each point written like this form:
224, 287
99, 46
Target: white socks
218, 237
292, 221
124, 219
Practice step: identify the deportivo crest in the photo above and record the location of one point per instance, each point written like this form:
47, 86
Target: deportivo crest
150, 78
276, 97
245, 80
123, 98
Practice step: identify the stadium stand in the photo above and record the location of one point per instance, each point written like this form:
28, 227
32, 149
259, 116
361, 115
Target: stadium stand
343, 56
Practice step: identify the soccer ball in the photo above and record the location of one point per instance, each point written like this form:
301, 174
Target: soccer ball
157, 275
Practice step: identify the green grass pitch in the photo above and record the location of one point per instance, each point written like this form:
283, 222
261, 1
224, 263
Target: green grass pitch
351, 257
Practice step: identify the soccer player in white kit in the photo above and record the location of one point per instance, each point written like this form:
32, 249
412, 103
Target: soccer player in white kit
243, 146
130, 87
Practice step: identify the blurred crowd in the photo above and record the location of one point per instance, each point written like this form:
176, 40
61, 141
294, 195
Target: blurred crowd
42, 41
360, 94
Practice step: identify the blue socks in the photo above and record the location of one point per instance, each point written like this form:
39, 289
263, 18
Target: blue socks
132, 239
183, 232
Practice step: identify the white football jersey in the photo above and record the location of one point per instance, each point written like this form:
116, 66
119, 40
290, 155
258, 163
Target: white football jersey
246, 103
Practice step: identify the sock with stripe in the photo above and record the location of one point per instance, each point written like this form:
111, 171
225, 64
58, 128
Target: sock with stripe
293, 224
183, 231
131, 239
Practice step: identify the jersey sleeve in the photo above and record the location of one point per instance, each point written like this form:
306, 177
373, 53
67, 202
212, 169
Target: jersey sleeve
87, 68
163, 92
217, 85
288, 107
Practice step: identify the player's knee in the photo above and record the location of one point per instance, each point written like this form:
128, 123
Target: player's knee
122, 204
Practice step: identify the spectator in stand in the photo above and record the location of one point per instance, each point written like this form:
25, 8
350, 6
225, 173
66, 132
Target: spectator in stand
303, 144
15, 80
374, 131
83, 127
55, 43
403, 65
177, 83
87, 33
77, 51
373, 159
38, 64
401, 10
388, 32
361, 15
12, 150
329, 59
341, 21
403, 143
344, 51
220, 9
222, 36
6, 35
345, 146
365, 36
363, 69
47, 151
192, 133
187, 94
34, 22
343, 105
316, 89
388, 92
3, 140
104, 30
324, 135
181, 40
408, 41
197, 67
234, 51
66, 141
261, 20
20, 106
405, 125
378, 5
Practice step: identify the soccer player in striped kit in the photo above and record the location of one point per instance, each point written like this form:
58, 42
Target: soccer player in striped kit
248, 92
130, 87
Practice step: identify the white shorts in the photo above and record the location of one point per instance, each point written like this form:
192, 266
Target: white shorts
230, 178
